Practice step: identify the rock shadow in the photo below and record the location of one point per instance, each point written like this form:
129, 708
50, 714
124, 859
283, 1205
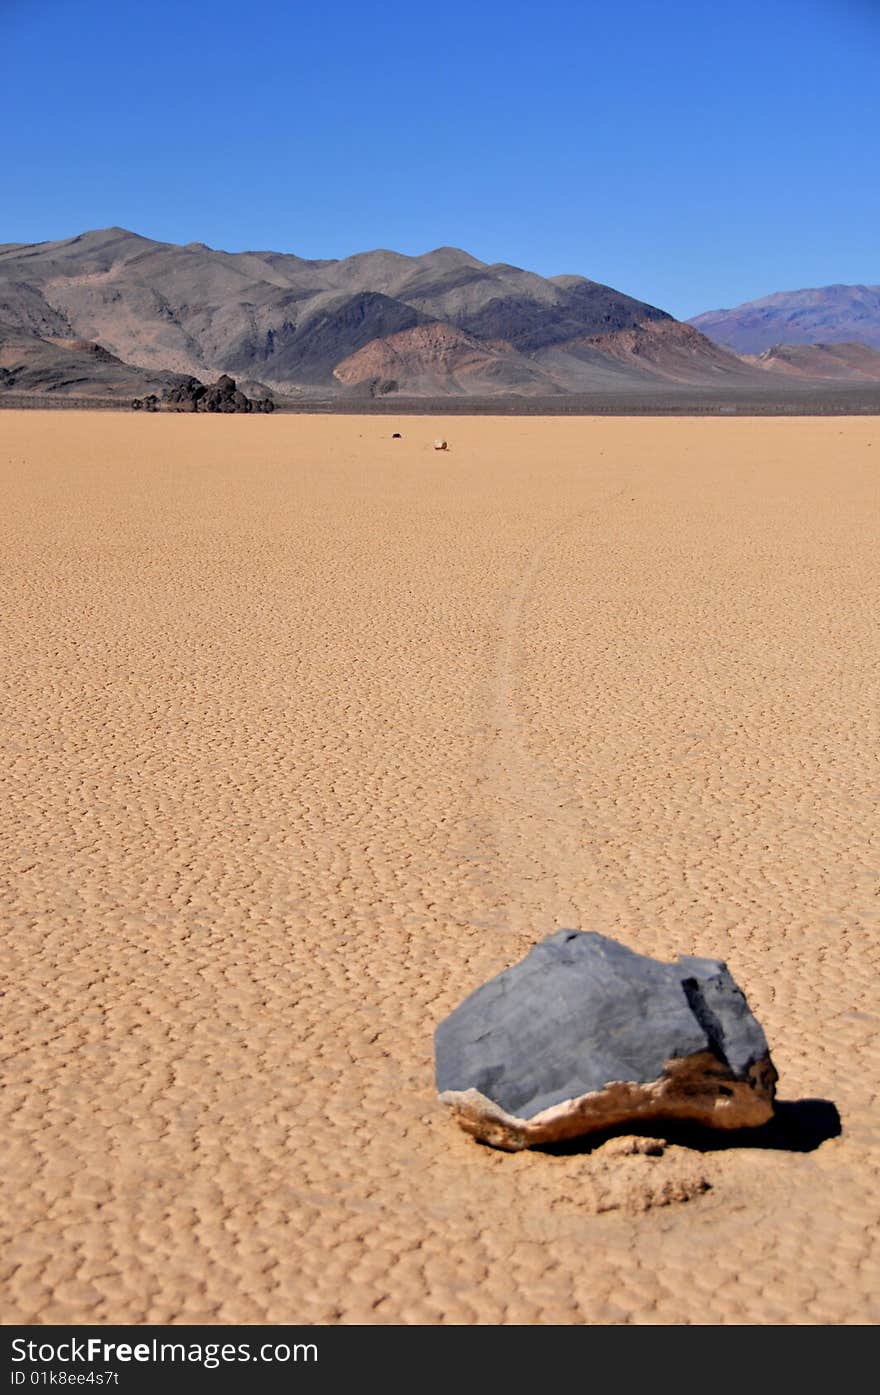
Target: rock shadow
797, 1126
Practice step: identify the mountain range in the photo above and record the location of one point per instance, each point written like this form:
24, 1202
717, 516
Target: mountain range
112, 313
376, 322
823, 315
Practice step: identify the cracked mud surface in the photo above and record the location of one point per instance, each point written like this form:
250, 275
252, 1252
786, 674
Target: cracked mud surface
306, 732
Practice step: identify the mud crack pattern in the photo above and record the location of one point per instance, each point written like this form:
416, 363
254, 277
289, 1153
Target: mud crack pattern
307, 732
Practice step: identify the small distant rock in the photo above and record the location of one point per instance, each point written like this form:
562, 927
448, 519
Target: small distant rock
441, 445
584, 1035
395, 435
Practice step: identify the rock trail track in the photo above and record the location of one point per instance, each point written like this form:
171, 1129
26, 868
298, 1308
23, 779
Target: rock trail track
306, 732
533, 837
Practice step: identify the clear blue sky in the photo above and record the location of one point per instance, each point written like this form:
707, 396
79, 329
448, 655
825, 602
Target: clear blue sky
694, 153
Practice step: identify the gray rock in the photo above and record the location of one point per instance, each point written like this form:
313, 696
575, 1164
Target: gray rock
584, 1034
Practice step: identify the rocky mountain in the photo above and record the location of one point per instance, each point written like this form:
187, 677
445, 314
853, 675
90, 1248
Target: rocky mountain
826, 315
439, 323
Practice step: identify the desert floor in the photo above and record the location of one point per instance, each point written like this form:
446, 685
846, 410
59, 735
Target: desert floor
307, 732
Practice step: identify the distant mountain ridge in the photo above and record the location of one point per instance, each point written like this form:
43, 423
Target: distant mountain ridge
324, 327
823, 315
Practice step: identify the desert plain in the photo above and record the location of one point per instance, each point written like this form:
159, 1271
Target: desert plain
306, 732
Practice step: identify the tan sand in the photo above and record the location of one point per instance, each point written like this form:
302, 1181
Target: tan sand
309, 731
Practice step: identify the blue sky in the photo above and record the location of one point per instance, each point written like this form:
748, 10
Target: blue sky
694, 153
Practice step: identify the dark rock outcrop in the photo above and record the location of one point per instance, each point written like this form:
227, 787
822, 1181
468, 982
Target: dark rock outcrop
222, 396
186, 397
584, 1034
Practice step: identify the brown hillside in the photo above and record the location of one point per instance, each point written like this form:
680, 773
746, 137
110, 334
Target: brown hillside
840, 362
436, 359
